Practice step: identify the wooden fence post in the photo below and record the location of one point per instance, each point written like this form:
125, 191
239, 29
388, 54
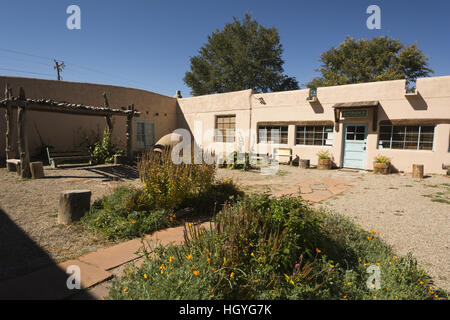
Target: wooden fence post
22, 136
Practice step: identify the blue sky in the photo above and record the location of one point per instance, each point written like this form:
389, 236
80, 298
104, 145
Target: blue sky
147, 44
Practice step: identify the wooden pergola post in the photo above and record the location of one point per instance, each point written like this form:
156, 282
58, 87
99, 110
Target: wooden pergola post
130, 133
24, 154
109, 123
9, 125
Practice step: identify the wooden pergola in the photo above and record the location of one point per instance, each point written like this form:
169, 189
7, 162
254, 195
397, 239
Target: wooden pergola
22, 104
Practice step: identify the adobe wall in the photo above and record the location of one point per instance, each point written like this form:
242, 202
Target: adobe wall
69, 131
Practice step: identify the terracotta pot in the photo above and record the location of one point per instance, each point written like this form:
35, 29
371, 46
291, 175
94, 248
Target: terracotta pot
381, 168
324, 164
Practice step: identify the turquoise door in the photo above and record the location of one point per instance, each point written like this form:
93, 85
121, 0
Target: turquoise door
354, 154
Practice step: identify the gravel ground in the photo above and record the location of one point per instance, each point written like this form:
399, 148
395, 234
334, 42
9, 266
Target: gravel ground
403, 211
30, 236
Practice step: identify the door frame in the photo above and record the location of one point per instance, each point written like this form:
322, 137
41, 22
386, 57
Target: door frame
344, 131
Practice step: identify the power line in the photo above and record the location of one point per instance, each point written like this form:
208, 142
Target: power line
72, 64
21, 71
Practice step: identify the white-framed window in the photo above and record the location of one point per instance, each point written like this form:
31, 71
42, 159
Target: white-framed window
269, 133
406, 137
145, 134
225, 128
314, 135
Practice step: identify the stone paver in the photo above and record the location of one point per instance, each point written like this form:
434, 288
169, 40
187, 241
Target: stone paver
338, 189
114, 256
317, 196
316, 190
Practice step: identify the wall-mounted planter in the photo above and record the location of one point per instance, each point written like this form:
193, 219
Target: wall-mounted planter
325, 164
381, 168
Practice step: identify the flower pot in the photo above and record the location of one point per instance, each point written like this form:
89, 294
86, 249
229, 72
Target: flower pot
324, 164
381, 168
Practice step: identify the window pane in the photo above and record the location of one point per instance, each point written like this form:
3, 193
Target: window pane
398, 133
350, 136
359, 136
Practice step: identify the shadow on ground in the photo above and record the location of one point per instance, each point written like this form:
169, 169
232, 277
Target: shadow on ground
106, 173
26, 270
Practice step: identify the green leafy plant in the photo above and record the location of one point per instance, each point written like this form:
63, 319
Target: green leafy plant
382, 159
103, 151
324, 154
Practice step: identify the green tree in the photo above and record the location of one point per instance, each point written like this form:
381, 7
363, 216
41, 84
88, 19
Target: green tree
244, 55
377, 59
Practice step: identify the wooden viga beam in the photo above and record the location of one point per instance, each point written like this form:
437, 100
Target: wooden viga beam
46, 105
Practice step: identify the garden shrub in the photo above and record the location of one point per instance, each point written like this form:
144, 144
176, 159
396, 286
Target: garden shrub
126, 213
168, 184
265, 248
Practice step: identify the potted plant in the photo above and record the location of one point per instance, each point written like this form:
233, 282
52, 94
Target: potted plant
381, 164
325, 162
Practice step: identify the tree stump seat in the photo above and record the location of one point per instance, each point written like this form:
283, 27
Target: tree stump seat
13, 165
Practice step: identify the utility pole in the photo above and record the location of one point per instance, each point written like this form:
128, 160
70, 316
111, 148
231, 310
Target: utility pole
58, 67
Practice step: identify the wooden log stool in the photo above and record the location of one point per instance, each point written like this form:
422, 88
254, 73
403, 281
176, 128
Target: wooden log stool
73, 204
417, 171
37, 170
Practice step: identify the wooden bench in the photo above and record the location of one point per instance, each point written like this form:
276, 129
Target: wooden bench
76, 156
284, 155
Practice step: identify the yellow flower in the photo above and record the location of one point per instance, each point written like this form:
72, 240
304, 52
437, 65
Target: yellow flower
372, 231
209, 260
345, 297
390, 262
292, 282
171, 259
196, 273
103, 297
431, 292
145, 276
232, 275
162, 271
252, 254
369, 238
171, 219
174, 244
436, 296
212, 291
332, 266
378, 264
125, 289
189, 256
133, 222
318, 251
214, 269
190, 225
162, 266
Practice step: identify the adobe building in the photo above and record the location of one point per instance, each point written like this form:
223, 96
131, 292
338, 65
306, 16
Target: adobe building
354, 122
